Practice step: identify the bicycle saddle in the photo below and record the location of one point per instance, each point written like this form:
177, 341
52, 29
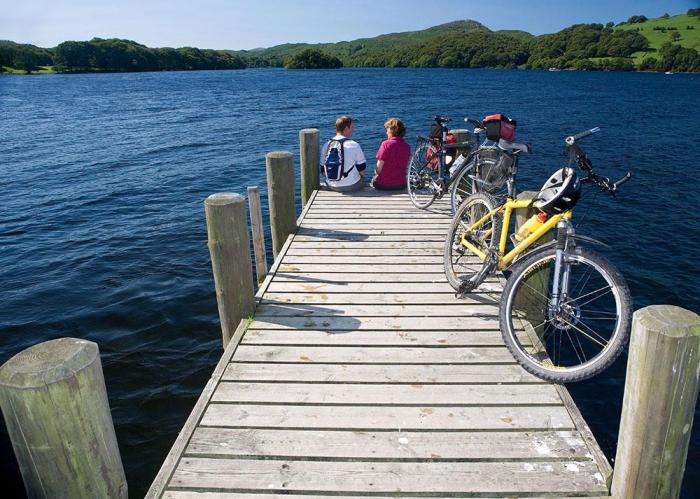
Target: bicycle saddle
514, 147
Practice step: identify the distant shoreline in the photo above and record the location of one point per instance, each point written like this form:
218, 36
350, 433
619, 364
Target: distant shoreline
567, 70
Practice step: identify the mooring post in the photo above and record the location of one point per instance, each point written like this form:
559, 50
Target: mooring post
229, 247
54, 401
309, 151
256, 228
661, 390
280, 192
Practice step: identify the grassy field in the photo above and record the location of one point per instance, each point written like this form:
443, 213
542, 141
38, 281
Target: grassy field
689, 37
41, 70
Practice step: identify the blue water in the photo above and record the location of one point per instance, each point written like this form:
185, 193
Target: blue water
102, 233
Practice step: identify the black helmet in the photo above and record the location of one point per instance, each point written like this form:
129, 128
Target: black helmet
560, 192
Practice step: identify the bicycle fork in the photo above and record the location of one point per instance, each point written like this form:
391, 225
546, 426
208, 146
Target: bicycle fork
562, 267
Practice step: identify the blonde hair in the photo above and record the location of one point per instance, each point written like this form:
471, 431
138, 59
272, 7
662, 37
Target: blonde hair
395, 127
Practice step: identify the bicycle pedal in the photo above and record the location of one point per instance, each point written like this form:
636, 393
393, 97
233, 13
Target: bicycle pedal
465, 287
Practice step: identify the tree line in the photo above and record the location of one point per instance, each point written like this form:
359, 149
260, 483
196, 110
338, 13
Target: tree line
115, 55
461, 44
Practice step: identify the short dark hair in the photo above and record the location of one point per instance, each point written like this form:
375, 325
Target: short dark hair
342, 123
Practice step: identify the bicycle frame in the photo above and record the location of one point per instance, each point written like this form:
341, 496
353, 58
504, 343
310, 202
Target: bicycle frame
505, 258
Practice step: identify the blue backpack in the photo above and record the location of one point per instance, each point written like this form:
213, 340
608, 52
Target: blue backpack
333, 163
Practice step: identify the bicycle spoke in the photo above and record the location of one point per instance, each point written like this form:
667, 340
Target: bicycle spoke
583, 333
596, 297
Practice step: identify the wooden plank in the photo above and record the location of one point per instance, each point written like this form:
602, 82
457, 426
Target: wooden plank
339, 277
378, 323
374, 218
374, 355
173, 457
393, 445
389, 298
432, 229
384, 253
330, 236
377, 373
271, 310
373, 338
595, 451
362, 394
349, 259
506, 478
276, 264
373, 418
316, 244
369, 287
195, 494
371, 270
440, 226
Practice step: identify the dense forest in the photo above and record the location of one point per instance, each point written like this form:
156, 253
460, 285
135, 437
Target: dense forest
668, 43
114, 55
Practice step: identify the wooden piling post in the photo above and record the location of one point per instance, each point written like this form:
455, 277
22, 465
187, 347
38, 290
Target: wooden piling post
280, 192
256, 228
229, 247
661, 390
54, 401
309, 151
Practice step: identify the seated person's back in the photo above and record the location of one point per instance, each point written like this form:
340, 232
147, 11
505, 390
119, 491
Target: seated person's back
392, 158
348, 174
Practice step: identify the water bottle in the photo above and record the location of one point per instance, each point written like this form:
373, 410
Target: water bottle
533, 223
457, 164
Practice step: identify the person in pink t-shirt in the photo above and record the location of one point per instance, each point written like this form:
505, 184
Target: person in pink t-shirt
392, 158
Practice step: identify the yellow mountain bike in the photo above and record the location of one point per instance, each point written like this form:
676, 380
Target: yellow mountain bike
565, 312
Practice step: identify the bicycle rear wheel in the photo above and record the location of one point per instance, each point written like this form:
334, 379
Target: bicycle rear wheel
584, 334
459, 262
422, 175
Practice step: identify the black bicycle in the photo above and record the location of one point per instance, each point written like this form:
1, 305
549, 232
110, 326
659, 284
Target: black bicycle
439, 166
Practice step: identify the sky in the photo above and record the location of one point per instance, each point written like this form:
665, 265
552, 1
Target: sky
246, 24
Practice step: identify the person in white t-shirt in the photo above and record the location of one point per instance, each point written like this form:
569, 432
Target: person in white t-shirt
352, 176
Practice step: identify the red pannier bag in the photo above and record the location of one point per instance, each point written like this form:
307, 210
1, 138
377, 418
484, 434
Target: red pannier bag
433, 156
500, 126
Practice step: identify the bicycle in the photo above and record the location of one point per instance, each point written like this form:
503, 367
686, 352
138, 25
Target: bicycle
565, 311
432, 172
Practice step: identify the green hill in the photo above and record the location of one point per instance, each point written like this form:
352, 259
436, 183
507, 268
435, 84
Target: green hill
662, 44
660, 30
376, 51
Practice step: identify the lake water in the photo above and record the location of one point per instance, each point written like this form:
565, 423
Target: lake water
102, 230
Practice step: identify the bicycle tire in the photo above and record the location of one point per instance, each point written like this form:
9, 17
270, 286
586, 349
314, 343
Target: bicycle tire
539, 360
419, 172
473, 208
462, 186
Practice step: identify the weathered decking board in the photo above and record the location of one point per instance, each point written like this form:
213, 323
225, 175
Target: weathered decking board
362, 375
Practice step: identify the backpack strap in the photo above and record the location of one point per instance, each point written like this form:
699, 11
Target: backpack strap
343, 173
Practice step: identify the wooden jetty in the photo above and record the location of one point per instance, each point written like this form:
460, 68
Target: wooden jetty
362, 374
355, 372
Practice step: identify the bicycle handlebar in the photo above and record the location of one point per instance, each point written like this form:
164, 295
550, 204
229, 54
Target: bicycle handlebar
474, 122
624, 179
572, 139
575, 152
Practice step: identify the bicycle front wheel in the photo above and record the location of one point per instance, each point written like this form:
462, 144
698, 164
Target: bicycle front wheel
459, 262
422, 174
581, 335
